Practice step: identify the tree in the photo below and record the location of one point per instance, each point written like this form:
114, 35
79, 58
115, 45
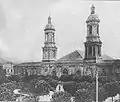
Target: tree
112, 89
105, 79
3, 77
101, 94
83, 95
85, 85
40, 87
78, 79
29, 78
14, 78
66, 78
70, 87
53, 83
87, 78
61, 97
6, 90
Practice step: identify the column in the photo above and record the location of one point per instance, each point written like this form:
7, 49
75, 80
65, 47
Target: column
96, 50
87, 51
99, 51
54, 54
49, 54
45, 37
87, 30
98, 29
92, 50
43, 54
53, 37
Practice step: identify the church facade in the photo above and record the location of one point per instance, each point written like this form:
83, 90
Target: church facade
76, 62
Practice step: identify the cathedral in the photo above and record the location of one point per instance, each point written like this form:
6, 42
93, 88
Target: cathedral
77, 62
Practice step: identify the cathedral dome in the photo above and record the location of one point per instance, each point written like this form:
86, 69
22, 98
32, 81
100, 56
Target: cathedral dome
93, 17
49, 26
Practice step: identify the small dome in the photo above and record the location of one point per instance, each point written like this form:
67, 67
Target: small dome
49, 26
93, 17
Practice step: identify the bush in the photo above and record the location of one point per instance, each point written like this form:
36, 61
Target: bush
70, 87
83, 79
3, 77
83, 95
29, 78
101, 94
66, 78
40, 87
6, 90
105, 79
61, 97
112, 89
14, 78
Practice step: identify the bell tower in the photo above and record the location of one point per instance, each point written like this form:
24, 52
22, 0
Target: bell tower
93, 43
49, 49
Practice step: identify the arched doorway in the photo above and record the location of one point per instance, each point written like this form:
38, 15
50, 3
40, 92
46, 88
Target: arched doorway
65, 71
78, 73
53, 73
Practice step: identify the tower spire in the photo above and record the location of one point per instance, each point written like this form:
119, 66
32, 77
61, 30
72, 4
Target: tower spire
92, 9
49, 19
93, 43
49, 49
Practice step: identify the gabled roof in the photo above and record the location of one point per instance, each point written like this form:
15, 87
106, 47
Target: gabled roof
29, 64
79, 55
106, 57
76, 55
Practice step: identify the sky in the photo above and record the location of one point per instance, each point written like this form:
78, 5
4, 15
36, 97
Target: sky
22, 25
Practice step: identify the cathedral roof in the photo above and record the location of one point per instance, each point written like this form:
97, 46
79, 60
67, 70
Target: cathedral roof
106, 57
93, 17
79, 55
76, 55
49, 26
29, 64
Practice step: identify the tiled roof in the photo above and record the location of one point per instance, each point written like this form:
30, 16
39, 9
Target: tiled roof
79, 55
29, 64
76, 55
106, 57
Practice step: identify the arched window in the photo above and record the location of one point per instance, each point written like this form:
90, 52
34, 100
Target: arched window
90, 50
90, 29
99, 52
94, 51
53, 73
65, 71
78, 72
59, 88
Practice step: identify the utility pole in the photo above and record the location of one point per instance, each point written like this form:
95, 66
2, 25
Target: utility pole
96, 82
